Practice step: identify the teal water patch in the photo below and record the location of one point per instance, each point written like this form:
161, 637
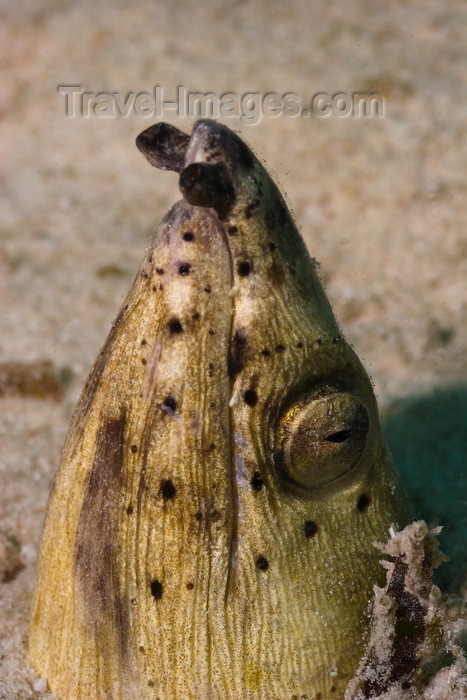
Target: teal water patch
427, 436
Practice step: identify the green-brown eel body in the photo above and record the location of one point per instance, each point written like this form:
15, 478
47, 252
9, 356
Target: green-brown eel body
210, 530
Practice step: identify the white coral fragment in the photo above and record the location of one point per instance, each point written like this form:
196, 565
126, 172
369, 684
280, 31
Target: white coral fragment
414, 651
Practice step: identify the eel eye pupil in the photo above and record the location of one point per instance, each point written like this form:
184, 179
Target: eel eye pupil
340, 436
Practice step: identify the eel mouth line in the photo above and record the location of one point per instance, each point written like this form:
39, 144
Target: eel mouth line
210, 179
208, 163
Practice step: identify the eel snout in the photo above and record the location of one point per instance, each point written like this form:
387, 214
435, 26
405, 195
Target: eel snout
209, 162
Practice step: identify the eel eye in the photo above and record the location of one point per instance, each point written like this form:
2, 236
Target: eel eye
321, 438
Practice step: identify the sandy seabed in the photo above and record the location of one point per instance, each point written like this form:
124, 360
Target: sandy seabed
381, 203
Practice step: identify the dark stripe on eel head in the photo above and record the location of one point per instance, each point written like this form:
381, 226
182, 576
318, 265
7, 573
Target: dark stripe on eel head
96, 537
